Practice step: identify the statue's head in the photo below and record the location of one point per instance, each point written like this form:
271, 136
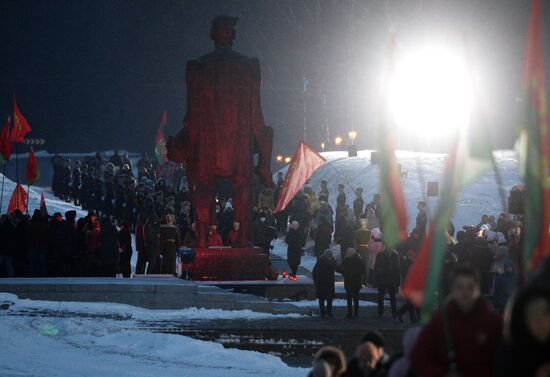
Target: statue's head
222, 31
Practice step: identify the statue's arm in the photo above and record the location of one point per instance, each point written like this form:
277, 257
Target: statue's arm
181, 146
263, 135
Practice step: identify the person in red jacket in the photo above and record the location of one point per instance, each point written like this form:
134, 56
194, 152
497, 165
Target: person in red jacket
214, 238
461, 339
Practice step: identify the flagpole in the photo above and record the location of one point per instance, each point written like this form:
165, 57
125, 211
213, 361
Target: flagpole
3, 180
17, 172
28, 193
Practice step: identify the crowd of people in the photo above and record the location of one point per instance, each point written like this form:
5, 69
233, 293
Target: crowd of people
465, 337
480, 273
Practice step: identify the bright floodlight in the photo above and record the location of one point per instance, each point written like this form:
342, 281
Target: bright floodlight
430, 92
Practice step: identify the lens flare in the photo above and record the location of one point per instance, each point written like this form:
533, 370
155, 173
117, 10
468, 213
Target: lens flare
430, 92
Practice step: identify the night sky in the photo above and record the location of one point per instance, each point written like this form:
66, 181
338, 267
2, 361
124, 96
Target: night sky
95, 75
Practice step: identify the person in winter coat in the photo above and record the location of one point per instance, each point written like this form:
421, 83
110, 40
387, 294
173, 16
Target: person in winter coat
190, 239
226, 222
358, 203
56, 245
465, 323
347, 229
169, 243
214, 238
376, 245
125, 247
151, 245
387, 278
341, 198
7, 245
139, 232
407, 255
234, 234
38, 237
263, 231
421, 218
324, 192
323, 277
352, 269
324, 213
323, 237
92, 255
361, 239
21, 244
526, 350
71, 253
295, 240
108, 247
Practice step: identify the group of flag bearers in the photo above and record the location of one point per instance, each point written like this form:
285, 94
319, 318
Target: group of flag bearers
16, 135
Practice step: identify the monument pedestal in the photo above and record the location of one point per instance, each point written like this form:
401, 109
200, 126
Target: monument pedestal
220, 263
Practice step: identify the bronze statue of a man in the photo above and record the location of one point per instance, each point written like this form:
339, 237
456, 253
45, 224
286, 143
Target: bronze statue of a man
222, 130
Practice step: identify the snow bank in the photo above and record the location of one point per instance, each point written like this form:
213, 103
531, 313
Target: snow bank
136, 313
67, 347
74, 346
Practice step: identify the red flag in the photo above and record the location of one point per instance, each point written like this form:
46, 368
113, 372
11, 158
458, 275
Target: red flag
18, 199
304, 163
535, 152
20, 125
43, 207
32, 174
161, 152
5, 145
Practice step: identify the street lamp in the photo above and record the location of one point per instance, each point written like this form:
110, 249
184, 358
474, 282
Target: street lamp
352, 148
352, 135
287, 160
279, 158
323, 146
338, 141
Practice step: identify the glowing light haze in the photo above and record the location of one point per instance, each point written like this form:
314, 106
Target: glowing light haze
430, 92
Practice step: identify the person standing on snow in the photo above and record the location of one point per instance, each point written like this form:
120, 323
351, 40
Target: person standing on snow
323, 277
352, 269
295, 240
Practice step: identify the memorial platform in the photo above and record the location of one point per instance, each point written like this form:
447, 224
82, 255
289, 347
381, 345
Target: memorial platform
229, 264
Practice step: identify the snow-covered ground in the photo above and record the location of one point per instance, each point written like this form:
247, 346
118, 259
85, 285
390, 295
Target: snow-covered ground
95, 346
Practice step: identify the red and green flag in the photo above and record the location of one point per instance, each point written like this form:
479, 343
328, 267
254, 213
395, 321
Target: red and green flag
32, 173
20, 125
471, 156
161, 153
392, 204
534, 151
5, 144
